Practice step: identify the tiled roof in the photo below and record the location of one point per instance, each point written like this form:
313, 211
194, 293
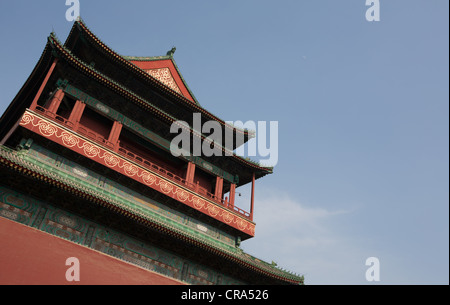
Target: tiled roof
79, 24
125, 92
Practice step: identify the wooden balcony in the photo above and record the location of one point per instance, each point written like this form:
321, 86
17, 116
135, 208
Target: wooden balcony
139, 160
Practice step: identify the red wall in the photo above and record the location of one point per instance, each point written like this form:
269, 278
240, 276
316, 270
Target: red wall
96, 123
31, 257
204, 180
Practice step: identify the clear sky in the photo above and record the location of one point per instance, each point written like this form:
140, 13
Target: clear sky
363, 112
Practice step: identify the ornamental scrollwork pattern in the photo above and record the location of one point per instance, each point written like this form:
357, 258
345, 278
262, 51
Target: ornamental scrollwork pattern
116, 162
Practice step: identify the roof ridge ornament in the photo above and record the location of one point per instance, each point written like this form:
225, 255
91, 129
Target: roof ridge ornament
171, 52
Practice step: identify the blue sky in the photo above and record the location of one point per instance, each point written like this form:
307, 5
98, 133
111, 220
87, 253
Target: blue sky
362, 110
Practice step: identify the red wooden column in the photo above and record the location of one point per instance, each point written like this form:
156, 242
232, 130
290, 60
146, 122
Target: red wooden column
191, 178
232, 193
219, 188
114, 135
56, 101
75, 115
253, 197
188, 170
44, 83
190, 174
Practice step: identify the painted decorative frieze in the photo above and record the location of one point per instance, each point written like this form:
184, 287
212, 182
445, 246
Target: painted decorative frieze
165, 77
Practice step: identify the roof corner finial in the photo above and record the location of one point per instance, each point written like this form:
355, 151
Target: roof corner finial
171, 52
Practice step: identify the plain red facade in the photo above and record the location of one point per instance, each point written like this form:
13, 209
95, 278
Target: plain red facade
32, 257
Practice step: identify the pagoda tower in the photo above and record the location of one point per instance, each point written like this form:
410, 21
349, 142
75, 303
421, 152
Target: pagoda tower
86, 173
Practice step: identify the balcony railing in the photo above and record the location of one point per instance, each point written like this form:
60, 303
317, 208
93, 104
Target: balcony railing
54, 116
79, 129
141, 161
171, 176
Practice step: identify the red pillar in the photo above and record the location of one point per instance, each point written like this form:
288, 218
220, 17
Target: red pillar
75, 115
253, 197
56, 101
191, 178
219, 188
190, 174
232, 193
44, 83
114, 135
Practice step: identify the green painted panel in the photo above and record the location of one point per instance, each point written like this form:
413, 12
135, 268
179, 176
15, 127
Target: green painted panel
73, 171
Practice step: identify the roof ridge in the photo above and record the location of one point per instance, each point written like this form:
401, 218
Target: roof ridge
147, 58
